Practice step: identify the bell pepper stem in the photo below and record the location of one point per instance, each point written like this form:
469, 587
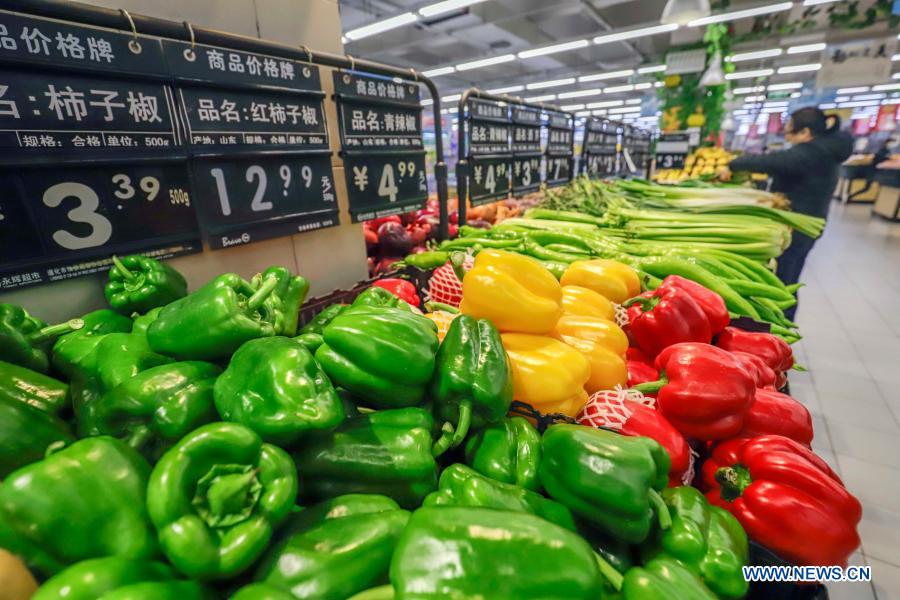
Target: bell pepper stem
382, 592
260, 295
646, 304
140, 435
462, 424
662, 511
444, 442
433, 306
732, 481
122, 268
54, 331
609, 572
652, 387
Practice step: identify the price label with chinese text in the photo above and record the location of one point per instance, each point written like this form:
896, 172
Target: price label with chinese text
490, 179
560, 148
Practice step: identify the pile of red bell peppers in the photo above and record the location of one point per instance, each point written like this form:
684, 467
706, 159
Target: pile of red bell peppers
712, 390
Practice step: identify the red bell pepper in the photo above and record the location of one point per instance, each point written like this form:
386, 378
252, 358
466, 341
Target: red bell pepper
775, 351
776, 413
712, 303
762, 373
787, 499
703, 391
665, 317
401, 288
376, 223
640, 368
614, 410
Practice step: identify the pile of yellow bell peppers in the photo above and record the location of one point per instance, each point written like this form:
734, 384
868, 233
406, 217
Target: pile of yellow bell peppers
561, 336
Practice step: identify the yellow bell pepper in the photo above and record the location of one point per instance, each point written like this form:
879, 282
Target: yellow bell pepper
602, 342
615, 281
442, 319
577, 300
513, 292
547, 374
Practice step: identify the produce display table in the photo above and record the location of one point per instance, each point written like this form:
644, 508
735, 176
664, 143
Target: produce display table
887, 204
854, 186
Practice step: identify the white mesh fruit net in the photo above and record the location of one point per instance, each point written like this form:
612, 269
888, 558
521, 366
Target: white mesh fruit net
610, 408
621, 315
444, 286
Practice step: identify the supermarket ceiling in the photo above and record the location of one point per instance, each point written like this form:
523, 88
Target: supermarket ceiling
503, 45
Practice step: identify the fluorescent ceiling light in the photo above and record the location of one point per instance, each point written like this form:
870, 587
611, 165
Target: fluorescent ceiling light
754, 55
853, 90
598, 113
451, 98
609, 75
643, 86
572, 106
426, 102
658, 84
485, 62
827, 106
439, 71
506, 90
439, 8
618, 88
749, 90
583, 113
796, 95
543, 98
793, 85
750, 74
633, 33
803, 48
539, 85
581, 93
554, 48
651, 69
799, 68
842, 99
858, 104
759, 98
624, 109
741, 14
605, 104
379, 26
771, 103
870, 96
895, 57
817, 2
633, 101
886, 86
896, 75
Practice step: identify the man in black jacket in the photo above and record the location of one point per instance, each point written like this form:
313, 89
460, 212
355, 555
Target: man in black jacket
806, 173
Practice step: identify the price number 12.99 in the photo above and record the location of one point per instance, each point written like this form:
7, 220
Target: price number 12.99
258, 179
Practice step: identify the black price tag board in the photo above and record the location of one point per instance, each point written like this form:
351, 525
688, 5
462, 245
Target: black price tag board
600, 165
381, 143
379, 185
599, 151
671, 150
526, 173
488, 138
245, 201
489, 179
526, 130
92, 159
488, 110
65, 222
559, 170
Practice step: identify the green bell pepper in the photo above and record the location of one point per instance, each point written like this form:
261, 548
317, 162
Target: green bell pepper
384, 355
261, 591
508, 451
84, 501
140, 283
663, 578
275, 387
121, 356
291, 290
318, 322
384, 452
216, 498
464, 552
311, 341
472, 381
142, 322
92, 579
155, 408
215, 320
459, 485
377, 296
29, 402
73, 353
336, 548
706, 539
23, 337
609, 480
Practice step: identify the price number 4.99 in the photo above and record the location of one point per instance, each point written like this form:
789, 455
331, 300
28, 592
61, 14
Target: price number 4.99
389, 180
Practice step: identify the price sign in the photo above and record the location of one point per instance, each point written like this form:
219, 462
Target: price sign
381, 142
672, 149
91, 152
599, 156
560, 148
490, 179
257, 141
526, 130
526, 173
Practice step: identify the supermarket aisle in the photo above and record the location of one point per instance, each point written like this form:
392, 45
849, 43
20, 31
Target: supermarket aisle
850, 319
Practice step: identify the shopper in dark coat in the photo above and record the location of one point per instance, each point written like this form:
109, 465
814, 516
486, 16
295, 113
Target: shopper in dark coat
806, 173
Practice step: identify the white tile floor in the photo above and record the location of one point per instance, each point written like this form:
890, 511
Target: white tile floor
849, 316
